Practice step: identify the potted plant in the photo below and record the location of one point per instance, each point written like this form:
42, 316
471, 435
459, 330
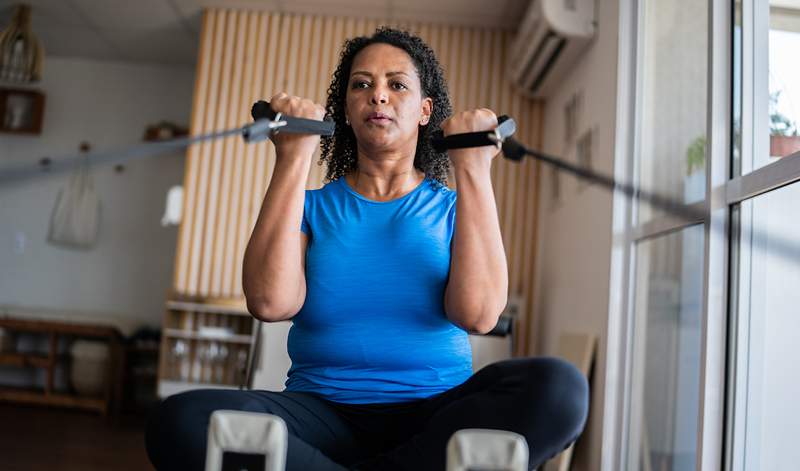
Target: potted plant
783, 138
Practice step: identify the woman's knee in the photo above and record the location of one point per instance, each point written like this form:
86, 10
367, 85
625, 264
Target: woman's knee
563, 391
179, 411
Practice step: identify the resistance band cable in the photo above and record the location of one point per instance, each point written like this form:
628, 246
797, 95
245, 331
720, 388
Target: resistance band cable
267, 123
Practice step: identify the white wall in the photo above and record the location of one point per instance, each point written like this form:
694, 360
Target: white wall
573, 258
129, 271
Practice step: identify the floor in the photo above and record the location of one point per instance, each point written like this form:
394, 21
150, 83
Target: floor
40, 438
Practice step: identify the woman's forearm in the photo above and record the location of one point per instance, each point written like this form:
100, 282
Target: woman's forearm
477, 290
273, 276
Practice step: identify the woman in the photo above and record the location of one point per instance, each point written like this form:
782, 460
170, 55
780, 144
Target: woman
382, 282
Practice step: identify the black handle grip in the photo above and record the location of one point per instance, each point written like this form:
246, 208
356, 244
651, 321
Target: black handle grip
441, 143
261, 109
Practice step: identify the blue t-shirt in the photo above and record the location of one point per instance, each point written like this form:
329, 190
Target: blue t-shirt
373, 327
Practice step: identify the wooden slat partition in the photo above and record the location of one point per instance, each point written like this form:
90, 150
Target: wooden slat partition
250, 55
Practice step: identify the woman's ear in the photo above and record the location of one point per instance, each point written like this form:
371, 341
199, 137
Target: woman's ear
427, 109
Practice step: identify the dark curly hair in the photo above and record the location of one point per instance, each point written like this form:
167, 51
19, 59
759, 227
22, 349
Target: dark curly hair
339, 150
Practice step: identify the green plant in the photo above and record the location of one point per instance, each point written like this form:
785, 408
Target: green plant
696, 155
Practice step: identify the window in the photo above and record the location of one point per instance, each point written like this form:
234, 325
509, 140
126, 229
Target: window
673, 100
705, 311
669, 141
784, 81
666, 360
765, 268
767, 383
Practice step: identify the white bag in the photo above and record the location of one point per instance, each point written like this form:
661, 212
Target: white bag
76, 216
172, 213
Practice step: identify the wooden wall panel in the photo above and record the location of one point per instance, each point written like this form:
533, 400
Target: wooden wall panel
250, 55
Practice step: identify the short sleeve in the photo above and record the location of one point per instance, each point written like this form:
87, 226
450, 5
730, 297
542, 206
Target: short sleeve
451, 213
304, 224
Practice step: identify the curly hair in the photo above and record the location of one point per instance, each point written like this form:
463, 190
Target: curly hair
339, 150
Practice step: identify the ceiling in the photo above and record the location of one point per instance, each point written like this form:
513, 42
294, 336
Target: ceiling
167, 31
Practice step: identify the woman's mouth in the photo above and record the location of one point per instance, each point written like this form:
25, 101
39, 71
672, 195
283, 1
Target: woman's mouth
378, 118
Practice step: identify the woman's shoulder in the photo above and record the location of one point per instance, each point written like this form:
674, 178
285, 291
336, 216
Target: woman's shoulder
442, 190
326, 189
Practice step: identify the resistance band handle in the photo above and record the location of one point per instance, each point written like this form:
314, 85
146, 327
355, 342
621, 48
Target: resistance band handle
442, 143
262, 110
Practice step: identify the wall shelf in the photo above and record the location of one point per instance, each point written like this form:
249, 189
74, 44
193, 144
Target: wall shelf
195, 351
231, 309
177, 333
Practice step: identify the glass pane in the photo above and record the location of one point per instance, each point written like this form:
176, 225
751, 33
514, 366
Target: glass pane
784, 82
672, 103
768, 383
666, 365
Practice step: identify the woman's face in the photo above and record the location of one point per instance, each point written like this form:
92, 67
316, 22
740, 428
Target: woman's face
384, 103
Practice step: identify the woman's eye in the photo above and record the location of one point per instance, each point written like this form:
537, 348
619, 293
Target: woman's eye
399, 86
360, 84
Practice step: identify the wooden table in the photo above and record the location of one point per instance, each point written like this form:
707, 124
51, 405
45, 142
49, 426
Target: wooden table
108, 404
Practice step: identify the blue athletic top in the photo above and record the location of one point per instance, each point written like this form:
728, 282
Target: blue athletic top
373, 327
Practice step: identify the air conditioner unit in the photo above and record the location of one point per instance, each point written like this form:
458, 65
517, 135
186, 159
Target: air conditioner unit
551, 36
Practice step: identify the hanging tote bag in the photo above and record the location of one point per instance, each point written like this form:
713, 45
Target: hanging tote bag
76, 216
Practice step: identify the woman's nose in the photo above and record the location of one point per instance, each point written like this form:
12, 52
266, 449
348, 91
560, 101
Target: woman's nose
379, 96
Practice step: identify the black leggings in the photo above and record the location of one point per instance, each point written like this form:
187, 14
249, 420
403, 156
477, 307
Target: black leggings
544, 399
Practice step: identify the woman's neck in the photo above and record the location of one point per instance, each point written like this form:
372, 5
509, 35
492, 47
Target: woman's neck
384, 179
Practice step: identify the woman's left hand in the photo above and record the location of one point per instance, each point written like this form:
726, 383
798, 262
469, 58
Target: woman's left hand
482, 119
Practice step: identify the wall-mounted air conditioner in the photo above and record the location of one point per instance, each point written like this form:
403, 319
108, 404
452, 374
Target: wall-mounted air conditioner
551, 36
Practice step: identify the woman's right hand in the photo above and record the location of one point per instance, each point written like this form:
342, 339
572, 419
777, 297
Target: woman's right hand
296, 146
